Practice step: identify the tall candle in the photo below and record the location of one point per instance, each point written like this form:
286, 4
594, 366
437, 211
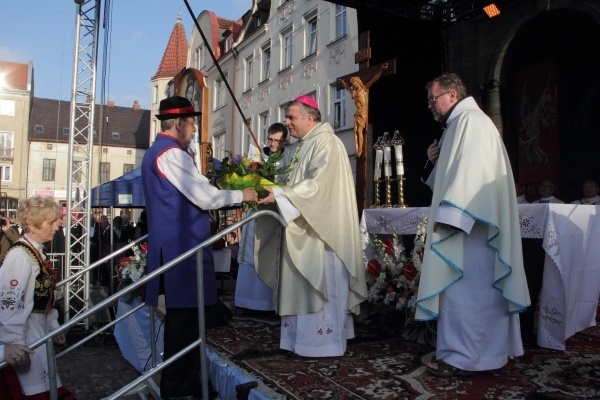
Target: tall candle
399, 159
378, 163
387, 161
398, 141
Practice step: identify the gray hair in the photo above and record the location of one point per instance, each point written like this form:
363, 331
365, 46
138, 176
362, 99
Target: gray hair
450, 81
307, 110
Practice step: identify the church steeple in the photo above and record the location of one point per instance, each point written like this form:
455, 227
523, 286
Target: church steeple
175, 57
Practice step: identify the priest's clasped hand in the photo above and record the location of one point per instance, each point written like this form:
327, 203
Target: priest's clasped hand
433, 152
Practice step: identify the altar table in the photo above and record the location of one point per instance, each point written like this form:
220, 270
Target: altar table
571, 241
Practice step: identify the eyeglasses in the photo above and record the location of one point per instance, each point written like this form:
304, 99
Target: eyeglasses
432, 100
273, 140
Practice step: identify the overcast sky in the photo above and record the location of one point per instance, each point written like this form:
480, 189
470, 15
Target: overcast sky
43, 31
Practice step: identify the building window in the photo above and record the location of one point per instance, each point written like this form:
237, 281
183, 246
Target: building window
49, 169
199, 57
116, 135
7, 108
340, 21
155, 95
339, 107
219, 146
220, 91
49, 146
7, 144
128, 168
283, 112
6, 173
311, 35
266, 63
77, 171
104, 172
66, 130
247, 136
39, 129
249, 71
129, 152
228, 43
286, 40
264, 124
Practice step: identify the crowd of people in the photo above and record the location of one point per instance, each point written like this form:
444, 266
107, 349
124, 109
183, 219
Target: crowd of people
311, 272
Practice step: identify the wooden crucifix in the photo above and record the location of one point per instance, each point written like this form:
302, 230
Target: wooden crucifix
358, 85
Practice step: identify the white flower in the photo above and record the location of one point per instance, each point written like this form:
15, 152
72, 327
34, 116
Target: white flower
391, 289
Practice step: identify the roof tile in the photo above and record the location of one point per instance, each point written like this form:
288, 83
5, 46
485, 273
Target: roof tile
53, 115
175, 57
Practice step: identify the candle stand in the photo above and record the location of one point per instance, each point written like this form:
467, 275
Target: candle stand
388, 193
401, 203
377, 194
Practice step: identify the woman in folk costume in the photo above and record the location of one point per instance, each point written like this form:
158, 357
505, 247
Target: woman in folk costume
27, 284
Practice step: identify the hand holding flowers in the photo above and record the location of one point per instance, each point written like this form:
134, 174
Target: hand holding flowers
239, 172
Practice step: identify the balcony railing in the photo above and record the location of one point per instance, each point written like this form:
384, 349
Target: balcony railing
7, 153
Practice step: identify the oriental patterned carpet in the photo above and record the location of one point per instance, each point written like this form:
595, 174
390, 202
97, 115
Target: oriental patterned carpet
383, 367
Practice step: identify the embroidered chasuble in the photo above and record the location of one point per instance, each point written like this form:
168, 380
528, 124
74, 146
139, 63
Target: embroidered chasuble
321, 187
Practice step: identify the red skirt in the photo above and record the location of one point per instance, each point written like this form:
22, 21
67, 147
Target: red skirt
11, 388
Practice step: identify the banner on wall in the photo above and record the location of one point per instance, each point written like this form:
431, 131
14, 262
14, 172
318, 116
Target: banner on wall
539, 144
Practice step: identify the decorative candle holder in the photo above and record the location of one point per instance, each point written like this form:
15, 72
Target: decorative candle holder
377, 194
401, 203
398, 142
388, 192
377, 172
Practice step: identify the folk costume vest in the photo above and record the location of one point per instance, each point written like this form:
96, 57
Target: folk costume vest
175, 225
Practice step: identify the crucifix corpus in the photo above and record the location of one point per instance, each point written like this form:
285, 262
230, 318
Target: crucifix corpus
358, 85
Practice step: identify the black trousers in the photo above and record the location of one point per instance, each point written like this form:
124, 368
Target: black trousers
182, 378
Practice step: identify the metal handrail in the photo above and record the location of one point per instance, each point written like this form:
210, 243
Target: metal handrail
130, 288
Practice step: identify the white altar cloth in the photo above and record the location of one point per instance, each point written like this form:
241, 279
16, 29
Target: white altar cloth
571, 240
133, 336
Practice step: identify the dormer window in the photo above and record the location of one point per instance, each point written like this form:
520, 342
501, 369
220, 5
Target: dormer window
228, 43
39, 129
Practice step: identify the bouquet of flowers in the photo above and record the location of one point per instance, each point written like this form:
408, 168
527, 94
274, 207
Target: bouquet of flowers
240, 172
130, 270
392, 279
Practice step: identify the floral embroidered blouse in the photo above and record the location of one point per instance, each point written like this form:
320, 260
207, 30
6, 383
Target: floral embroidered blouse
27, 284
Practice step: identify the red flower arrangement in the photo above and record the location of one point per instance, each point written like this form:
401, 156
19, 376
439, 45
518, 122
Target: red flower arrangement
392, 279
130, 270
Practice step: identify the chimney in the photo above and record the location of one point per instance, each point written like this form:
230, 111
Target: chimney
136, 105
111, 104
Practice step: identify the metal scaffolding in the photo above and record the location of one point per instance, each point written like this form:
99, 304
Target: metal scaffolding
81, 145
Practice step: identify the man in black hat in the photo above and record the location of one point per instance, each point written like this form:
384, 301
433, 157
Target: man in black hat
174, 187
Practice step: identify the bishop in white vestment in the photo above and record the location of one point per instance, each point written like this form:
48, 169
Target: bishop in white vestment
317, 272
